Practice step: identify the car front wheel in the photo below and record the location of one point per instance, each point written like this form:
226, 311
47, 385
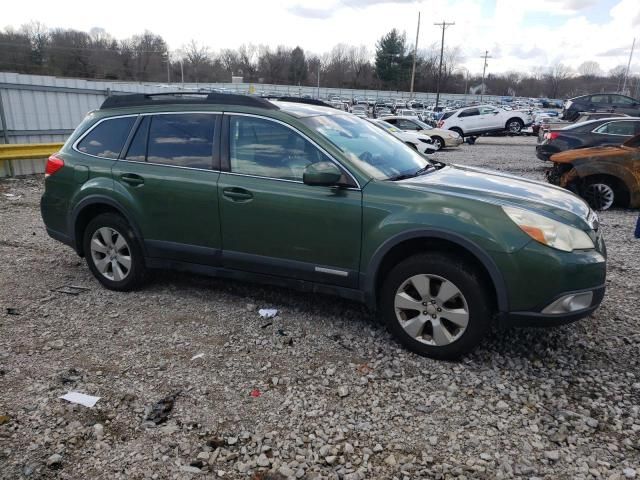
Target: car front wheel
436, 306
515, 125
438, 143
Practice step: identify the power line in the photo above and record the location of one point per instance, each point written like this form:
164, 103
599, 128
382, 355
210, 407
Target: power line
444, 25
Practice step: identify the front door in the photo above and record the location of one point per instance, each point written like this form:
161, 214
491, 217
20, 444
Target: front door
167, 181
271, 221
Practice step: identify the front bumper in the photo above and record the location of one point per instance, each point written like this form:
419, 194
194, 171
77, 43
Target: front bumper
453, 141
544, 152
536, 318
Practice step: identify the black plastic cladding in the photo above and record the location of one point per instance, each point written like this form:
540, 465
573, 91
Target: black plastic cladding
147, 99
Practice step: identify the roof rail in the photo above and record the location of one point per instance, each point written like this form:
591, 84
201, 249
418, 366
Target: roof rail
307, 101
166, 98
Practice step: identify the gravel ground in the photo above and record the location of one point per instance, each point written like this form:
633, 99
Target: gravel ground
320, 391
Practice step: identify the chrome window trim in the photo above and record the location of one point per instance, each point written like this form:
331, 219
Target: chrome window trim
615, 121
165, 165
142, 114
331, 158
74, 146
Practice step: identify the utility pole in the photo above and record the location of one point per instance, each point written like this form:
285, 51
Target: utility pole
318, 80
168, 66
415, 54
444, 25
626, 73
484, 70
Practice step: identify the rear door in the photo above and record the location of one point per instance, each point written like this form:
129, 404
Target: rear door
272, 222
490, 118
627, 105
468, 120
615, 132
600, 102
167, 179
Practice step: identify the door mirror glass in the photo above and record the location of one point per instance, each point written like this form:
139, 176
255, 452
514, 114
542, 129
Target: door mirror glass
321, 173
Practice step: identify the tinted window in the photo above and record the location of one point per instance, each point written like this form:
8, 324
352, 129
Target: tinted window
599, 98
107, 138
618, 128
138, 149
486, 110
392, 121
268, 149
622, 101
184, 139
469, 112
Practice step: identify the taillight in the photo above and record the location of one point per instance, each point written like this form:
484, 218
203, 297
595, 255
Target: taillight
552, 135
440, 123
53, 165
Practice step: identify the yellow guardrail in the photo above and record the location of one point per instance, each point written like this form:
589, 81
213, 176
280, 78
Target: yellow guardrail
26, 151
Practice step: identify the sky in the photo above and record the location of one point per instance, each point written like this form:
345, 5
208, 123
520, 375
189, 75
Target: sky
520, 35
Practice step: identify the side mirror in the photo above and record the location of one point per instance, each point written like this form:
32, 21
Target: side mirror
322, 174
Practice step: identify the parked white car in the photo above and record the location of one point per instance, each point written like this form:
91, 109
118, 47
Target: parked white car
441, 137
474, 121
422, 143
360, 111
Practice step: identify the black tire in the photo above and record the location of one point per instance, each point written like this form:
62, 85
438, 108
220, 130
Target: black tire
438, 142
469, 283
602, 193
458, 131
135, 274
471, 140
514, 125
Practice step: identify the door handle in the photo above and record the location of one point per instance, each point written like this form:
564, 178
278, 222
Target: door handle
132, 179
237, 194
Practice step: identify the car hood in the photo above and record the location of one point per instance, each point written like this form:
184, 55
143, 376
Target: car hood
502, 189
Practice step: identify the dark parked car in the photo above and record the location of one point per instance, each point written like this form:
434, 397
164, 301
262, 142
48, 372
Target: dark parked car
302, 195
604, 176
606, 131
600, 102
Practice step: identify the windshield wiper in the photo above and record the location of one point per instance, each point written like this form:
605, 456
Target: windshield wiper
404, 176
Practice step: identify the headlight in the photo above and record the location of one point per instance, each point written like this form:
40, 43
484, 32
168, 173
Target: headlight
549, 232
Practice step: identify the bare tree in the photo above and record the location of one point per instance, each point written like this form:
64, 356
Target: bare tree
197, 57
555, 76
589, 69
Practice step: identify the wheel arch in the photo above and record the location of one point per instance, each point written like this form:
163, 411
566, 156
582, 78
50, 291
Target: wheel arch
409, 243
89, 208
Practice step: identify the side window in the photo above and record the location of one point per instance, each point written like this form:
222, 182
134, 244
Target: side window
599, 99
268, 149
138, 149
486, 110
407, 125
469, 112
622, 128
617, 128
107, 138
392, 121
622, 101
182, 139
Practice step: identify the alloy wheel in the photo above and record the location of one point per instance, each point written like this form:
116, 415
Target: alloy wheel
600, 196
111, 254
431, 309
514, 127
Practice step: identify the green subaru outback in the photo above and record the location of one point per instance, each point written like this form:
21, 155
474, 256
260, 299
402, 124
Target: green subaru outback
296, 194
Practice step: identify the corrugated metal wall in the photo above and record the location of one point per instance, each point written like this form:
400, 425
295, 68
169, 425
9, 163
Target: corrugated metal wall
43, 109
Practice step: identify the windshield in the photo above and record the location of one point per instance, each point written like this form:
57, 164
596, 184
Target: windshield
380, 154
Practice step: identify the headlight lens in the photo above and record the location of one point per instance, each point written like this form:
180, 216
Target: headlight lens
549, 232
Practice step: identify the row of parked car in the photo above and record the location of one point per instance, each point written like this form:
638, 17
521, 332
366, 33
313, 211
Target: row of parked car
595, 153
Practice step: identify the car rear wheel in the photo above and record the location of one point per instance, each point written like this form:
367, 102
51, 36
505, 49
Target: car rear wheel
438, 143
436, 306
112, 252
515, 125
